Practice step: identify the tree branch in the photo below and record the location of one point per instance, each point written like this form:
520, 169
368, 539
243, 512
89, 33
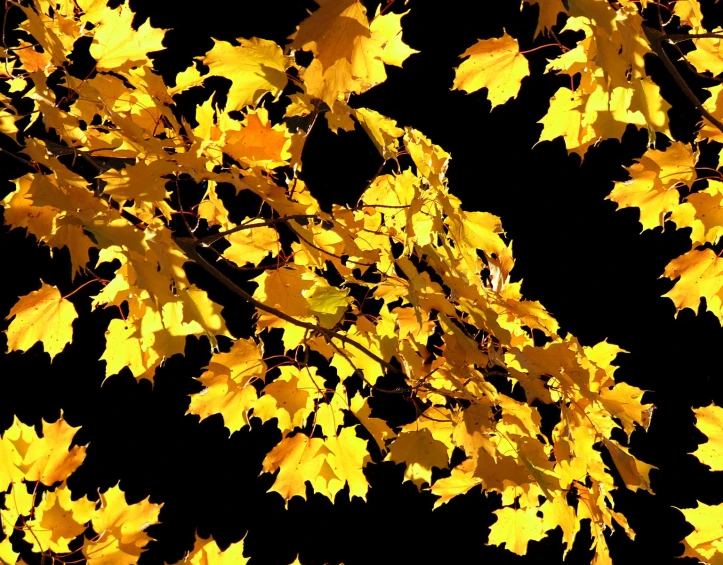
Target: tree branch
210, 239
188, 246
656, 38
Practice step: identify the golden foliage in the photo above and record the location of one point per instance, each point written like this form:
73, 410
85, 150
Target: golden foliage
450, 281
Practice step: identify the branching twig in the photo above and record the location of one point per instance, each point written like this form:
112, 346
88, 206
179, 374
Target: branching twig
189, 247
656, 39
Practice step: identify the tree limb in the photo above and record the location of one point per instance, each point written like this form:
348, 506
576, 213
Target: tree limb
656, 38
188, 246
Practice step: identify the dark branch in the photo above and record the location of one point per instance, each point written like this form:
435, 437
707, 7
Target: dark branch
656, 39
189, 245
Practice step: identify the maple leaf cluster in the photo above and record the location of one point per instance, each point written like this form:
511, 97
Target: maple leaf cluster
405, 286
610, 89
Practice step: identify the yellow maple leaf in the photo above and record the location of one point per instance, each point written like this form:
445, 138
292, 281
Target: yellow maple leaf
255, 67
705, 543
624, 402
41, 316
349, 54
461, 481
117, 46
700, 274
383, 131
71, 235
299, 459
495, 64
348, 455
386, 35
329, 415
703, 212
50, 459
654, 178
690, 14
18, 502
206, 552
290, 398
707, 55
282, 288
122, 526
32, 60
7, 553
549, 12
709, 421
125, 348
143, 181
10, 461
37, 26
565, 119
327, 303
557, 512
228, 379
648, 101
419, 451
58, 520
252, 245
516, 527
431, 160
377, 427
635, 473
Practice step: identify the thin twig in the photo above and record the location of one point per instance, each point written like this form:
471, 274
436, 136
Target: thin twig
189, 247
656, 38
210, 239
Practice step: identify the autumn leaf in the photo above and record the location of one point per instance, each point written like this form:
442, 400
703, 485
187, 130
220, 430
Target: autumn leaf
123, 526
460, 481
41, 316
228, 388
704, 543
348, 455
495, 64
652, 187
117, 46
700, 276
708, 422
255, 66
349, 53
298, 459
419, 451
50, 458
206, 552
635, 473
58, 520
516, 527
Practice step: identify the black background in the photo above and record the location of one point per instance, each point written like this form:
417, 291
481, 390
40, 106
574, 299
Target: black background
587, 263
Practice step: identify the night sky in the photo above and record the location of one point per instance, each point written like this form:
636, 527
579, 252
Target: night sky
586, 262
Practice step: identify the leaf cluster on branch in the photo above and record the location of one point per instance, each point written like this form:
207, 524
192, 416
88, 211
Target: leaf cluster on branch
404, 287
